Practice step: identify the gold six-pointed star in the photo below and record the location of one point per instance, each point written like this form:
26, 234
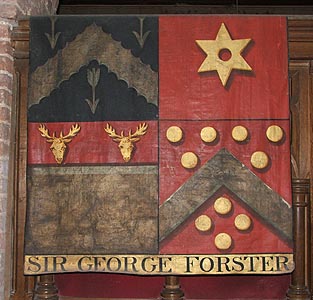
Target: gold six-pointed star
214, 60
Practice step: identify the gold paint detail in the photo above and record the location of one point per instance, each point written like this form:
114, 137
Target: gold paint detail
242, 222
174, 134
93, 77
274, 133
213, 62
259, 160
208, 134
126, 143
223, 241
141, 36
189, 160
58, 144
203, 223
161, 264
222, 206
83, 49
240, 133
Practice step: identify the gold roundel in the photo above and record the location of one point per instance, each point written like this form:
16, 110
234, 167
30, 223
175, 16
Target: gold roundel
174, 134
208, 134
242, 222
222, 205
189, 160
223, 241
240, 133
259, 160
203, 223
274, 133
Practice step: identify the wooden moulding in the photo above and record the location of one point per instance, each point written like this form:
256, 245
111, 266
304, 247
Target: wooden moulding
301, 199
172, 290
20, 40
300, 38
22, 287
45, 288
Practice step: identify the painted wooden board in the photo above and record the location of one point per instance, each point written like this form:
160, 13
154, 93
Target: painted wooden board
160, 140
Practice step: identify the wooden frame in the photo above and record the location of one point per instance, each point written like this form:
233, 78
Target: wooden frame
301, 83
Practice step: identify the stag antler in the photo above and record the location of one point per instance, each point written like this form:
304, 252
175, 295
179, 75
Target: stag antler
126, 143
73, 132
112, 133
58, 146
45, 133
140, 130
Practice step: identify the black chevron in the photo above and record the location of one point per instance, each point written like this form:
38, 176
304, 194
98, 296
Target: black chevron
225, 170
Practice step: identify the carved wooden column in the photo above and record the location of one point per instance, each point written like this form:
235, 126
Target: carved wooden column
301, 199
45, 288
172, 290
23, 286
300, 39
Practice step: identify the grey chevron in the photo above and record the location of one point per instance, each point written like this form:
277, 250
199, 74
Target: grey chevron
225, 170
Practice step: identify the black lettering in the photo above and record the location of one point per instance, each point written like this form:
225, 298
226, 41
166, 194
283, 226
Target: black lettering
144, 266
132, 264
33, 260
61, 263
97, 263
81, 263
238, 263
190, 263
281, 263
111, 261
203, 264
164, 264
46, 263
251, 260
220, 263
266, 263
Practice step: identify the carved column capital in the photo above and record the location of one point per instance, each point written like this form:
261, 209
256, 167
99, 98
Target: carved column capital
172, 290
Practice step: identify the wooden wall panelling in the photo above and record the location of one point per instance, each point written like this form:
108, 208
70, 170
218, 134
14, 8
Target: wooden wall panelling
300, 40
310, 213
182, 8
22, 286
301, 157
299, 72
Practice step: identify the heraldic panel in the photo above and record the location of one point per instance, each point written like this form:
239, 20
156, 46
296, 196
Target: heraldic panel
158, 145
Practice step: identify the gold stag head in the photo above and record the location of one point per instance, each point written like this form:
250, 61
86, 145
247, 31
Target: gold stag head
126, 143
58, 144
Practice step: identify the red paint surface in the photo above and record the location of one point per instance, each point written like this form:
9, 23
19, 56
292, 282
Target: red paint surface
92, 145
277, 176
187, 94
109, 286
261, 238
